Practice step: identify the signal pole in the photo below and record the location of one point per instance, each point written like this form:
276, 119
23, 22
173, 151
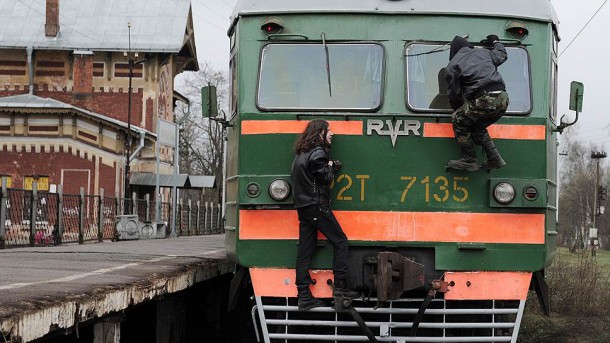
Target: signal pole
593, 237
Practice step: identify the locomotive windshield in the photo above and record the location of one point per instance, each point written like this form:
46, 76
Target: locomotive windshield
427, 88
295, 77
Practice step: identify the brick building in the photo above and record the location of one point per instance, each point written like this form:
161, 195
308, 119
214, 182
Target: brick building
64, 81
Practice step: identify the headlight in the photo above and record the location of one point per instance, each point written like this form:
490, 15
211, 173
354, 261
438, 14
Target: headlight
279, 190
504, 193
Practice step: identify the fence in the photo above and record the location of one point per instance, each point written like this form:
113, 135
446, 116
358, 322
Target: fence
34, 218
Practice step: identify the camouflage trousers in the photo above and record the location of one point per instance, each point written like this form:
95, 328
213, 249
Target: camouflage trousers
470, 121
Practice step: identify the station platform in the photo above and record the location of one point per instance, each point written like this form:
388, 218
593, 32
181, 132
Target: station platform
53, 288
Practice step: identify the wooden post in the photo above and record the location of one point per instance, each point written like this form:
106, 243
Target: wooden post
219, 224
134, 201
147, 197
205, 219
189, 211
197, 224
179, 217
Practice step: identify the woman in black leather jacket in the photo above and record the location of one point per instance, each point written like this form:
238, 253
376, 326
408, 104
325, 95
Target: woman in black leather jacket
312, 174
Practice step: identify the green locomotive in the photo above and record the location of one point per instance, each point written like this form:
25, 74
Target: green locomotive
373, 69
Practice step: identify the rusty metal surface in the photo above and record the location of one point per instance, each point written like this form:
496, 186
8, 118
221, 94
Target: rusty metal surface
110, 212
54, 287
395, 275
71, 221
17, 222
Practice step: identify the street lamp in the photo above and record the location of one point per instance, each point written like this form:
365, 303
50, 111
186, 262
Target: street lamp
596, 155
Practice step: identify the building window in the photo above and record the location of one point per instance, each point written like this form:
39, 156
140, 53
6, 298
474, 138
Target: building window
12, 67
50, 68
122, 70
43, 182
98, 69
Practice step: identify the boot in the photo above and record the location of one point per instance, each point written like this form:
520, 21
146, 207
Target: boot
340, 290
307, 301
468, 161
494, 160
464, 163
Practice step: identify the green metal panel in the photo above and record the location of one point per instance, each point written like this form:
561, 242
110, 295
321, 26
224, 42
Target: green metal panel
449, 256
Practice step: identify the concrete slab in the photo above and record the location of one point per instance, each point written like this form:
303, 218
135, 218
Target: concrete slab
50, 288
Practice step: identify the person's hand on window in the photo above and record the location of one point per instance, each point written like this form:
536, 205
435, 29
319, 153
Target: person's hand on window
492, 39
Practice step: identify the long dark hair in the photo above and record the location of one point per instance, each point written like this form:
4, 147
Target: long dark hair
313, 136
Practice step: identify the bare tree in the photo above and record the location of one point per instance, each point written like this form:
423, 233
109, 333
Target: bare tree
201, 143
577, 192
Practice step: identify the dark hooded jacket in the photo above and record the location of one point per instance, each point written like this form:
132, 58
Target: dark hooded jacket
311, 177
471, 71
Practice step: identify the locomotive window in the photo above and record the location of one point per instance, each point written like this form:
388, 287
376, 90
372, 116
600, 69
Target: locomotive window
427, 88
295, 77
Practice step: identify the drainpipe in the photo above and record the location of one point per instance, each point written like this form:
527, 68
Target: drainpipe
140, 146
30, 51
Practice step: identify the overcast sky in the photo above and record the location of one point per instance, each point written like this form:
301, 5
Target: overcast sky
586, 60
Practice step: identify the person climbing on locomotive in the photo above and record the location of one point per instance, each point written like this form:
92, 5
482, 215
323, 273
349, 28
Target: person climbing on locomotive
312, 174
477, 94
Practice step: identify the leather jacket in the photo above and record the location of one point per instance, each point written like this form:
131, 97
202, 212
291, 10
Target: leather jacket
473, 71
311, 178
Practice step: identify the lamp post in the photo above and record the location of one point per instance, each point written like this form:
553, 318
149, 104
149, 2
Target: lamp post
596, 156
128, 136
131, 62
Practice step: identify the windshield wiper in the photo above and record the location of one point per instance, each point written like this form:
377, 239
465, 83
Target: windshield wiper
330, 92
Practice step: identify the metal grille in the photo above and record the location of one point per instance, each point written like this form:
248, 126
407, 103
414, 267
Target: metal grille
152, 211
36, 222
165, 211
110, 212
444, 321
125, 206
91, 218
17, 221
141, 206
46, 219
71, 220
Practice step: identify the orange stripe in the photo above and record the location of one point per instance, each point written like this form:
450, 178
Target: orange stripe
498, 131
272, 282
261, 127
404, 226
269, 282
488, 285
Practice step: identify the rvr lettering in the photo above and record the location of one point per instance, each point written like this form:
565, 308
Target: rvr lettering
393, 129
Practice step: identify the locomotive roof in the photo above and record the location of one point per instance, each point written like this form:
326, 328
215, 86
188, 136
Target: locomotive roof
541, 10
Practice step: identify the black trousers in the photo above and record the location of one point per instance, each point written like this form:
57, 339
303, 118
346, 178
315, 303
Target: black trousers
311, 219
